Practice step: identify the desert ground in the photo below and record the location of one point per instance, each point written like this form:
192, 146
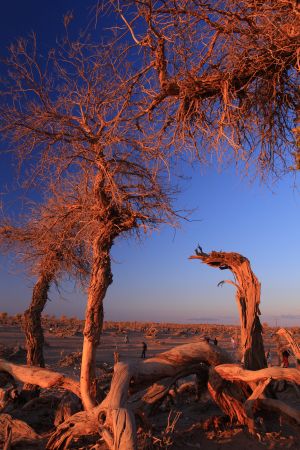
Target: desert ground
199, 423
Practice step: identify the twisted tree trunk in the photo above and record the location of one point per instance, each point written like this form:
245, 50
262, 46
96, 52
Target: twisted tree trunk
248, 299
101, 278
32, 321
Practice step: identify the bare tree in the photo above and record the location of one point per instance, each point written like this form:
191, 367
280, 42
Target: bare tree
72, 117
46, 243
248, 300
219, 76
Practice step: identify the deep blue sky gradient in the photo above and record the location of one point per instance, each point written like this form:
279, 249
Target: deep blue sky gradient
154, 280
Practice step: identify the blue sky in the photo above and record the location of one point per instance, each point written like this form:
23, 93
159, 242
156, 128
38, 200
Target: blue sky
154, 280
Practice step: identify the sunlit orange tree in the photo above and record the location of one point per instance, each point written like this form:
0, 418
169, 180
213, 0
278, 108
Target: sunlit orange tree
68, 117
220, 78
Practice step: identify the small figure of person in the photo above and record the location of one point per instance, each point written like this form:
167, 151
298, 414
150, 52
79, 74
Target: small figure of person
232, 342
285, 359
143, 355
126, 340
215, 341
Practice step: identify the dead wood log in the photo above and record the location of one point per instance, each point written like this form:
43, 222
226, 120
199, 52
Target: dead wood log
248, 299
19, 432
234, 372
146, 399
292, 343
116, 410
230, 397
40, 377
228, 387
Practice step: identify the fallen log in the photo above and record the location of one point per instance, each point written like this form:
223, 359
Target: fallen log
118, 428
41, 377
234, 372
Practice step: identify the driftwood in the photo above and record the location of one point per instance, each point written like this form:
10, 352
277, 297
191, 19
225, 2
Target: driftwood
248, 299
40, 377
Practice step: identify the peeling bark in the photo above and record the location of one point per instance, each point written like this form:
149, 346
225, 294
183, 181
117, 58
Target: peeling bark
101, 278
248, 299
230, 397
32, 321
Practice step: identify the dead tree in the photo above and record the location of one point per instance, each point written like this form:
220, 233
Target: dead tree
248, 299
46, 243
75, 113
219, 76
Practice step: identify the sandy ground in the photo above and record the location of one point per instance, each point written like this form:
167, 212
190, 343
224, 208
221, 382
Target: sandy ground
194, 428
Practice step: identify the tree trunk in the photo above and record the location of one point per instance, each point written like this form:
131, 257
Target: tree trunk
101, 278
32, 321
248, 299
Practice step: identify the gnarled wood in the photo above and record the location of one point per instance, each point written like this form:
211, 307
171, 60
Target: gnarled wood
32, 321
101, 278
230, 397
234, 372
39, 377
248, 299
251, 402
118, 427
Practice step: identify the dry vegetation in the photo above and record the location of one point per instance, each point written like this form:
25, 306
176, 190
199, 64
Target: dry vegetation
99, 129
177, 411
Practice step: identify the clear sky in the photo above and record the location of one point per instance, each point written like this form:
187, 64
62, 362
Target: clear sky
154, 280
